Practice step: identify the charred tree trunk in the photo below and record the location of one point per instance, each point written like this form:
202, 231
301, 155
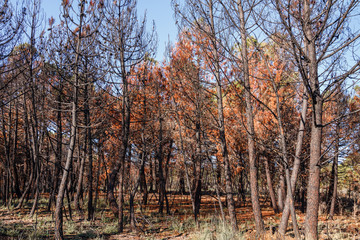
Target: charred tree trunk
79, 185
63, 184
110, 188
167, 175
58, 157
334, 175
16, 183
161, 178
29, 155
36, 131
284, 155
90, 207
144, 154
221, 125
313, 187
197, 178
125, 136
143, 185
270, 186
250, 126
296, 167
98, 173
281, 189
334, 172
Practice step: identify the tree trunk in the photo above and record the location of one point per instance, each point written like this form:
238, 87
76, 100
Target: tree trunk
144, 154
110, 188
125, 136
98, 173
221, 126
250, 127
181, 182
284, 155
197, 185
16, 184
166, 177
297, 163
90, 157
334, 174
79, 186
198, 153
132, 211
281, 189
59, 200
161, 183
143, 185
29, 155
183, 155
334, 171
58, 157
313, 189
35, 133
121, 197
270, 186
60, 197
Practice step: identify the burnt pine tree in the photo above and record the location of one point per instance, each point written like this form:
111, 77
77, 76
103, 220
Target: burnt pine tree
204, 17
320, 36
77, 24
126, 43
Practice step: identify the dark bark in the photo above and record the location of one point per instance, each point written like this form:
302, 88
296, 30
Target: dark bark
90, 207
125, 135
79, 185
110, 188
197, 178
121, 198
313, 187
334, 175
296, 166
35, 132
183, 155
284, 155
29, 157
58, 157
181, 182
153, 175
281, 193
334, 171
221, 124
98, 173
199, 151
73, 130
159, 156
144, 154
143, 185
250, 127
270, 186
168, 158
132, 211
16, 183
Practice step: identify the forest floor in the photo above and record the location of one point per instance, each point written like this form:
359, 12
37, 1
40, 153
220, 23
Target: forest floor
16, 224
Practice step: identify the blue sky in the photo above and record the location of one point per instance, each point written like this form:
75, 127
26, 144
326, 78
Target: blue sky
158, 10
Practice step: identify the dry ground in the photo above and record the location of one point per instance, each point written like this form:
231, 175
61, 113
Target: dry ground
16, 224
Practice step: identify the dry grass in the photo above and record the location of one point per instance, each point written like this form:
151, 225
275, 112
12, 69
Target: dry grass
16, 224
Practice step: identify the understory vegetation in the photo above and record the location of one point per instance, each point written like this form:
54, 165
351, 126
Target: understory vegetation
247, 129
